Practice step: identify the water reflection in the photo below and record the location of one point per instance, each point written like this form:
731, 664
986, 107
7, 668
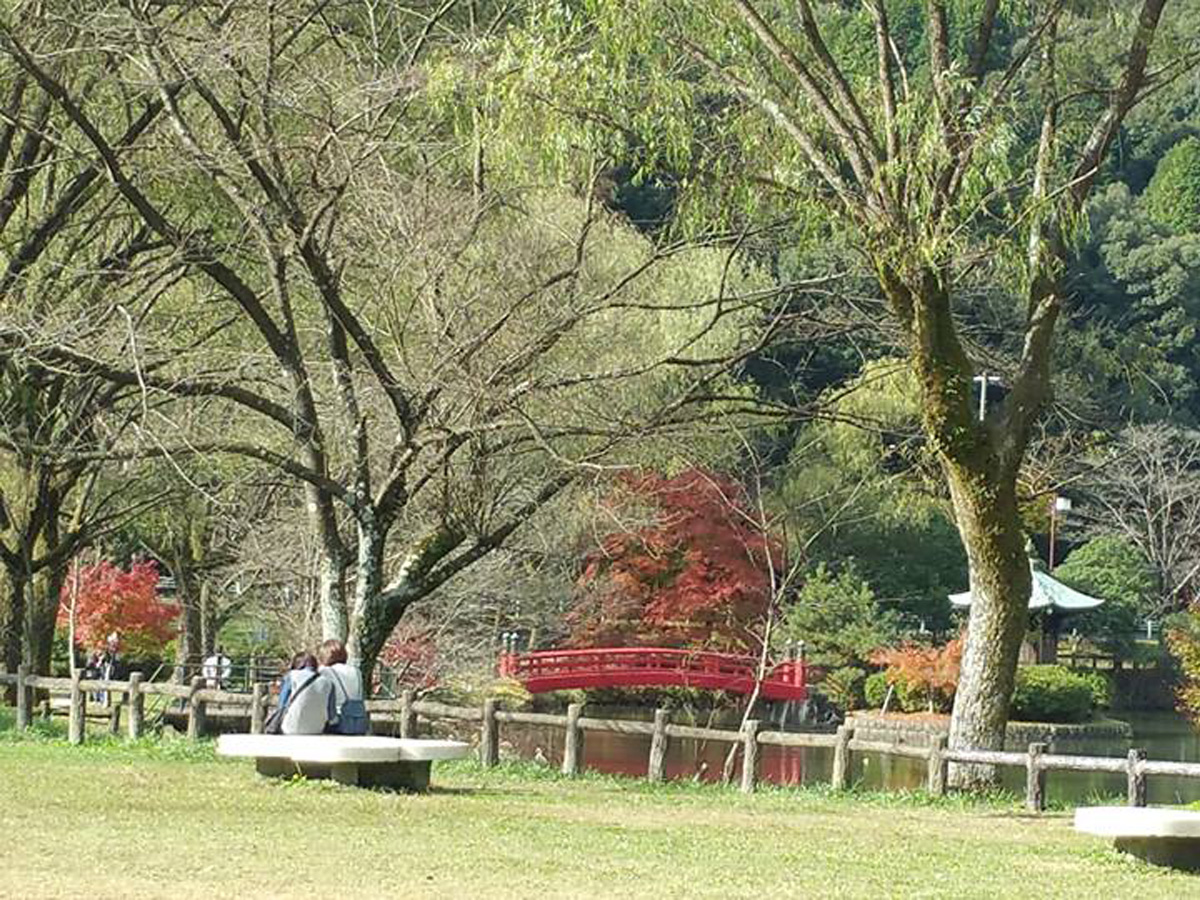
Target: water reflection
1164, 735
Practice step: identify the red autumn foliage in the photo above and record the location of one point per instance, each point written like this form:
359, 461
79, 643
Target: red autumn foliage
696, 576
929, 673
111, 599
413, 654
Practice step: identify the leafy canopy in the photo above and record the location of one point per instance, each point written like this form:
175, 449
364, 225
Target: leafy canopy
109, 599
696, 574
1173, 196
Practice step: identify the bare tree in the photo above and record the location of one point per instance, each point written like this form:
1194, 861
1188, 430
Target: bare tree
65, 249
433, 362
1147, 491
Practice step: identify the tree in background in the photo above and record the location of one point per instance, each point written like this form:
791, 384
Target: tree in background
1133, 350
909, 155
1145, 488
65, 254
694, 575
107, 599
1115, 570
863, 487
1183, 640
838, 618
1173, 196
431, 358
924, 678
841, 625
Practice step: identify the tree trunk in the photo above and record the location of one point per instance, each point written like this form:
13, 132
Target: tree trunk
334, 615
15, 621
41, 619
188, 646
7, 598
369, 626
209, 622
986, 513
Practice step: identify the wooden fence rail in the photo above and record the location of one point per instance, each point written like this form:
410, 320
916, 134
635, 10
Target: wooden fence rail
405, 711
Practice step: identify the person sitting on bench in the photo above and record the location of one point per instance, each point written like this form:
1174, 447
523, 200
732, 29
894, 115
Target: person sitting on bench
350, 712
307, 703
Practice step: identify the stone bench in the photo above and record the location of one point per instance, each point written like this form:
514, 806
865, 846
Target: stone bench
367, 761
1164, 837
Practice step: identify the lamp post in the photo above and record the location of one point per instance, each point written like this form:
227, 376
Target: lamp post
1057, 505
984, 381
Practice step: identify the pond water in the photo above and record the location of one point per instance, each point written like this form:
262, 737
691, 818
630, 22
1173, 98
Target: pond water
1165, 736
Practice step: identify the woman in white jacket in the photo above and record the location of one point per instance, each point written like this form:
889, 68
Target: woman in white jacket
308, 704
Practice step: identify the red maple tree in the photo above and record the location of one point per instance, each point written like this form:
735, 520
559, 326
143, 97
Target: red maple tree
110, 599
698, 575
412, 653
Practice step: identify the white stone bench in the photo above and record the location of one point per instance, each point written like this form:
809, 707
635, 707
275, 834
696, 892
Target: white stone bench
368, 761
1165, 837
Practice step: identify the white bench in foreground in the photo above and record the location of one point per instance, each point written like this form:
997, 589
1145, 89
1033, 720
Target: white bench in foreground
1165, 837
368, 761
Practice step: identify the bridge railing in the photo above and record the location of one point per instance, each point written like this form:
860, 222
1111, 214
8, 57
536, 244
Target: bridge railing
546, 670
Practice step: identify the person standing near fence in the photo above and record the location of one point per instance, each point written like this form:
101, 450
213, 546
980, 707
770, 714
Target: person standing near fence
216, 669
108, 664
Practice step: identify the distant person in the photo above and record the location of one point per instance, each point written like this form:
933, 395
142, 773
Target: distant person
217, 669
350, 710
110, 658
92, 669
305, 697
109, 664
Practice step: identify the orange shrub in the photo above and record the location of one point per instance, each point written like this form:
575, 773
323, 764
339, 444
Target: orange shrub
924, 677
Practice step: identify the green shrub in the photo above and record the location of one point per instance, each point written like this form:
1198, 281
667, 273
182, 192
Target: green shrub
1052, 694
917, 698
844, 687
875, 690
1101, 687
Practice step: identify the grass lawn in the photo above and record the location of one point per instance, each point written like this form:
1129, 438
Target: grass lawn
168, 819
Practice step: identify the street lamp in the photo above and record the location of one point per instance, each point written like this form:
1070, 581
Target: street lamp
1057, 505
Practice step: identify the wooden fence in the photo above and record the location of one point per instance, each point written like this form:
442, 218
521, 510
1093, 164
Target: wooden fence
406, 710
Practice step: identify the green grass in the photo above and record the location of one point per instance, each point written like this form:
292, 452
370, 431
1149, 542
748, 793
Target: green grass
167, 818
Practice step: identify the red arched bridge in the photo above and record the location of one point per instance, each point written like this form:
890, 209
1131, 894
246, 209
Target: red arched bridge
555, 670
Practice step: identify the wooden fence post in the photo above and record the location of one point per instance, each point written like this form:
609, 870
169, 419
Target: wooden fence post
78, 721
23, 697
114, 718
489, 738
408, 715
656, 770
935, 777
137, 706
841, 759
258, 702
1135, 777
749, 755
195, 722
572, 749
1035, 779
